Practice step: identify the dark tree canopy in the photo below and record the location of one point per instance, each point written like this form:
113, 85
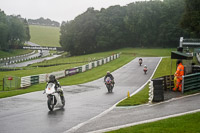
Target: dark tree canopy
14, 31
43, 22
191, 18
139, 24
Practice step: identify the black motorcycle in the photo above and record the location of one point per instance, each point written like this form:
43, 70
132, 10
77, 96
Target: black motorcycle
109, 84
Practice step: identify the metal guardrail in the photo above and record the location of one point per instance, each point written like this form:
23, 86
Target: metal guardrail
158, 85
34, 79
191, 82
189, 42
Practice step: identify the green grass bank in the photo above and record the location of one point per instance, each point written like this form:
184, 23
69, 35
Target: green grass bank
45, 35
183, 124
127, 55
16, 52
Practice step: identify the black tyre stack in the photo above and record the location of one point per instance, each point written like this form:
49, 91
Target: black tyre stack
158, 90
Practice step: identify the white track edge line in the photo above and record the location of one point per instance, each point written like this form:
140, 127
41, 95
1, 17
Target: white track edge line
143, 122
73, 129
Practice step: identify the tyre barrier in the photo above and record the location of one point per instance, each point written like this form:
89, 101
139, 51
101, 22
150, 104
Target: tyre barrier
156, 92
14, 59
158, 85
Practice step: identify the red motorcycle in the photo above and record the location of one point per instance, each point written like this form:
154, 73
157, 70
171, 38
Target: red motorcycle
145, 70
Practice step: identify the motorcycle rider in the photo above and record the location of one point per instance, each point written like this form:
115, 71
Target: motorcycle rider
145, 68
111, 77
140, 61
52, 79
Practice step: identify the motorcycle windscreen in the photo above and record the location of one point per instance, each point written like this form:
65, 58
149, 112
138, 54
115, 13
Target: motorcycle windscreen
108, 79
50, 88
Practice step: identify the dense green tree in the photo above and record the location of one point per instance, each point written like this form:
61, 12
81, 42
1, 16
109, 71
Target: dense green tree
79, 36
3, 31
139, 24
17, 32
42, 21
112, 31
14, 31
191, 17
27, 31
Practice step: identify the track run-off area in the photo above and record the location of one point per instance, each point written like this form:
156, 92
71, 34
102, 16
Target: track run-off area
28, 113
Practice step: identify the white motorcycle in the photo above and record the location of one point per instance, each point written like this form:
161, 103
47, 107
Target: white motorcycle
55, 98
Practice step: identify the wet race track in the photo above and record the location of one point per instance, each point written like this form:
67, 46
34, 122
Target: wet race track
29, 113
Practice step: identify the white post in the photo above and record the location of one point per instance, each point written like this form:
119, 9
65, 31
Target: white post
181, 42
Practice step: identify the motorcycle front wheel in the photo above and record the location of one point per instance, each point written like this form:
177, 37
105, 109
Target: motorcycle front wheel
63, 101
145, 72
109, 87
50, 103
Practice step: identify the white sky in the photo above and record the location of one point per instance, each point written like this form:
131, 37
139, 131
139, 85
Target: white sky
58, 10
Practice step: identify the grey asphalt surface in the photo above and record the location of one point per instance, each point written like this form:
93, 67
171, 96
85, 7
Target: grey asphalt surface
32, 44
22, 64
126, 116
28, 113
26, 63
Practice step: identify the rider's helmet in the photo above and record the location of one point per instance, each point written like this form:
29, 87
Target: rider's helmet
145, 66
179, 61
108, 72
52, 78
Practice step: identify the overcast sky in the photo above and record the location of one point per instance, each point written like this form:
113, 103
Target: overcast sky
58, 10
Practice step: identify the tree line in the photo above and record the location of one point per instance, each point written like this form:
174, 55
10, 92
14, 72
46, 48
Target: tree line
139, 24
43, 22
14, 31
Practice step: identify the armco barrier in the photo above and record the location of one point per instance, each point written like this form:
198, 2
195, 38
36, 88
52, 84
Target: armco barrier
80, 69
83, 68
41, 78
59, 74
95, 63
90, 66
25, 81
105, 61
34, 79
72, 71
14, 57
102, 61
87, 67
191, 82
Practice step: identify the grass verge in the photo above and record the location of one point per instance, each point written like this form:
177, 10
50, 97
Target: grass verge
75, 79
142, 96
45, 35
127, 55
16, 52
183, 124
